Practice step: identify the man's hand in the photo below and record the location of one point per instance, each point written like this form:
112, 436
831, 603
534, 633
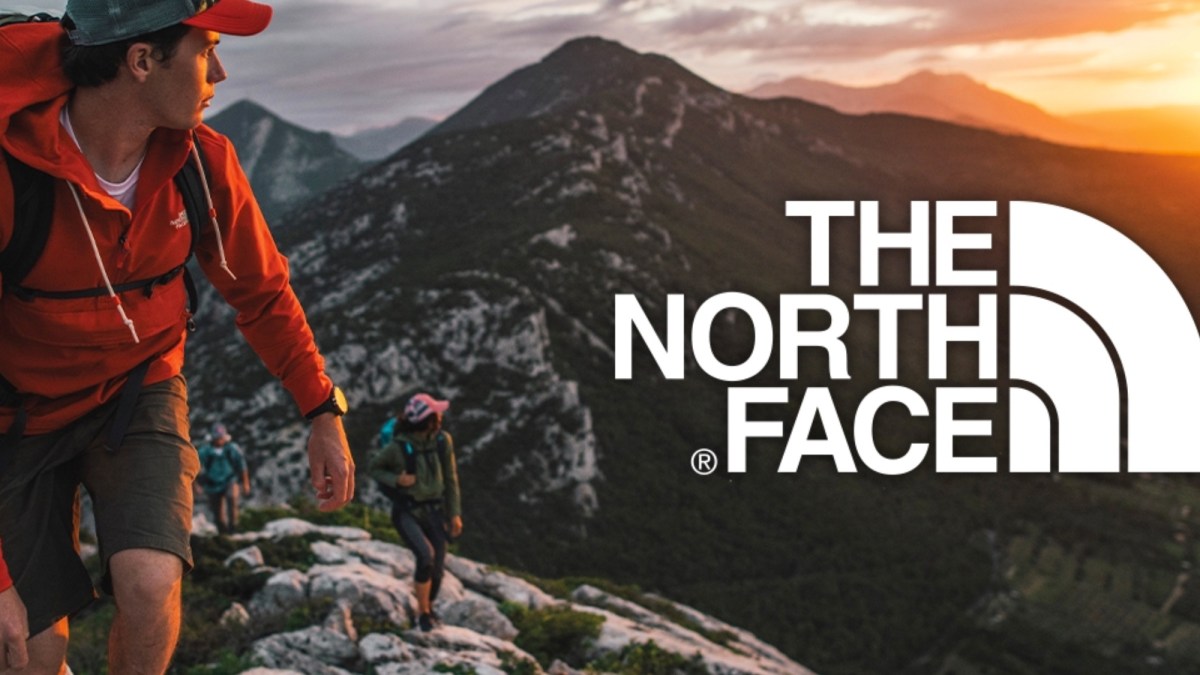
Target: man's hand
456, 526
406, 480
330, 465
14, 631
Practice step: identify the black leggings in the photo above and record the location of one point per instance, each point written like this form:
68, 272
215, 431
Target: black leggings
424, 532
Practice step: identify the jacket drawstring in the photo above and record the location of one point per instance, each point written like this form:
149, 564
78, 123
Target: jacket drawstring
212, 212
87, 227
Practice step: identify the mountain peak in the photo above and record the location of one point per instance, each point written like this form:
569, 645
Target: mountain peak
927, 78
286, 163
246, 108
575, 70
590, 46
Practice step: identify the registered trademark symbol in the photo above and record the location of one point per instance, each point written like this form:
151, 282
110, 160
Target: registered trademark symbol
704, 461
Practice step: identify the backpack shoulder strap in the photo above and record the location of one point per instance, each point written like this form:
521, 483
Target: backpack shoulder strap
206, 455
195, 202
191, 187
410, 458
33, 211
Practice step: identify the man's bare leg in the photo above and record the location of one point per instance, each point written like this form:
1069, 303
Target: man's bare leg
147, 587
47, 652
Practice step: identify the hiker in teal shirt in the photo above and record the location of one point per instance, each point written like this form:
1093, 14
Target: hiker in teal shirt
222, 464
417, 471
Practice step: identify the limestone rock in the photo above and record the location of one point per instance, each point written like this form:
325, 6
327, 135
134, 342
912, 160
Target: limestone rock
283, 591
329, 554
560, 668
202, 526
341, 620
236, 615
313, 651
383, 648
364, 589
497, 585
745, 641
391, 559
617, 632
251, 556
295, 527
455, 644
478, 614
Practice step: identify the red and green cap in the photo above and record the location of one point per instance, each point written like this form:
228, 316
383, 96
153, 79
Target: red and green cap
100, 22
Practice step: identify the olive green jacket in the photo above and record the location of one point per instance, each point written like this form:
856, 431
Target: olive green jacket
437, 473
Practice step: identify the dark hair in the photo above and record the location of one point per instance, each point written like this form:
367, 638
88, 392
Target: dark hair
95, 65
403, 424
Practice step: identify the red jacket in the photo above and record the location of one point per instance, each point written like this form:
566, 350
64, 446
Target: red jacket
70, 356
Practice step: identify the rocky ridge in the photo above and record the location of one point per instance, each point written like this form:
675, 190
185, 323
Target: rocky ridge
360, 581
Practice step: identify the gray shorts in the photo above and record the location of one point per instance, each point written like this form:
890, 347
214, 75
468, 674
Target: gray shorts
142, 496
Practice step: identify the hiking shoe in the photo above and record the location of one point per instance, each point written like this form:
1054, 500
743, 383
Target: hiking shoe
425, 623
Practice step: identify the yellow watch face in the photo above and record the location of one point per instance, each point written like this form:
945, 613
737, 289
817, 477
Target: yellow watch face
339, 400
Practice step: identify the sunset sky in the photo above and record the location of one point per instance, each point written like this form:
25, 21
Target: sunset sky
357, 63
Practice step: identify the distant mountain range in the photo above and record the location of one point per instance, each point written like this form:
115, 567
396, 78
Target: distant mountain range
379, 142
958, 98
286, 163
480, 262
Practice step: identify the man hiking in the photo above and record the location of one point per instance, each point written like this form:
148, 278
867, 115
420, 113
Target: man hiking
108, 183
224, 477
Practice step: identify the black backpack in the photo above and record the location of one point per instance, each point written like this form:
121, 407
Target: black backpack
8, 18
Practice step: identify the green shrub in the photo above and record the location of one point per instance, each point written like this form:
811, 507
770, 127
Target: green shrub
88, 649
554, 632
647, 658
228, 663
562, 588
355, 514
512, 664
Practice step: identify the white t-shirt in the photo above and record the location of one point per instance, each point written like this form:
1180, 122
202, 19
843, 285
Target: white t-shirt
125, 191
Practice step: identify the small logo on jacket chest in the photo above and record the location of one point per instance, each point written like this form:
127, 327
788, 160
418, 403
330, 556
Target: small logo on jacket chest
180, 220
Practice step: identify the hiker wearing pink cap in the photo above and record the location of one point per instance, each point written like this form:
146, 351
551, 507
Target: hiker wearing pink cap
417, 471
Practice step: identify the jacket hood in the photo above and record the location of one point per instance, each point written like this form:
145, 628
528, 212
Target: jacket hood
34, 88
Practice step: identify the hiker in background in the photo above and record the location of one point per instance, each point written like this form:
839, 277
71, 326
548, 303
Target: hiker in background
222, 464
417, 471
109, 182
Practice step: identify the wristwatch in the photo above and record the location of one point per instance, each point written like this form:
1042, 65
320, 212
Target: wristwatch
336, 405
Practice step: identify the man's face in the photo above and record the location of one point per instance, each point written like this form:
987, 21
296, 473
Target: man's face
183, 86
